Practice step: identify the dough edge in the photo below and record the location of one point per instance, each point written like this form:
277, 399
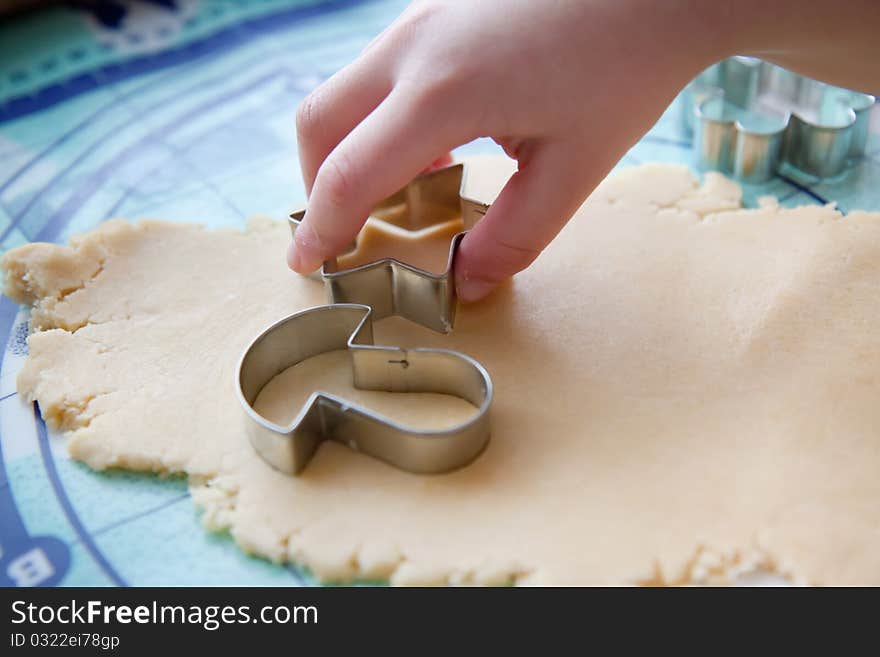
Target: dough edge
42, 275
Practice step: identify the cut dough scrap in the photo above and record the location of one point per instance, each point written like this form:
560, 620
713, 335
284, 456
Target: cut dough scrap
683, 390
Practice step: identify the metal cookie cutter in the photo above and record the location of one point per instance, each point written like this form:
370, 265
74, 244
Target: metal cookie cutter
327, 417
749, 116
392, 287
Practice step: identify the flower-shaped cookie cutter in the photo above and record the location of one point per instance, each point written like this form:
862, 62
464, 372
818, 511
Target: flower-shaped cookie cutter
392, 287
749, 117
327, 417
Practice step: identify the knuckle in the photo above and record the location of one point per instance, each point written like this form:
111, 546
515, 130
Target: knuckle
496, 260
514, 258
437, 91
450, 87
437, 96
335, 180
308, 116
418, 17
418, 34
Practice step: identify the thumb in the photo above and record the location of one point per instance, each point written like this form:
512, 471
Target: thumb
534, 205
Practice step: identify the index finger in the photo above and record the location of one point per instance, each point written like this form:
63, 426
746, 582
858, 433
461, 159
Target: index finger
384, 152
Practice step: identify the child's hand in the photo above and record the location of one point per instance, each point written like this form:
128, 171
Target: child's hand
565, 87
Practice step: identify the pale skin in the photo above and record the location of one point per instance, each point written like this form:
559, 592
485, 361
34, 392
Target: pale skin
566, 87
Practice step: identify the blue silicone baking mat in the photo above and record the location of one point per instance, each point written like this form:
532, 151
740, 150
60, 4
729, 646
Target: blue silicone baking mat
181, 110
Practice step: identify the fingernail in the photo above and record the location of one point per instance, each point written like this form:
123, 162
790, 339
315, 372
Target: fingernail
473, 289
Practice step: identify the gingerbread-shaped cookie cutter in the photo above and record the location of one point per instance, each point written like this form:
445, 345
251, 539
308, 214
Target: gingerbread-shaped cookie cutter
749, 116
327, 417
392, 287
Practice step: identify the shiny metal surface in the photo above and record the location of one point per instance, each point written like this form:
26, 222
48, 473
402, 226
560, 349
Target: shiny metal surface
392, 287
749, 117
328, 417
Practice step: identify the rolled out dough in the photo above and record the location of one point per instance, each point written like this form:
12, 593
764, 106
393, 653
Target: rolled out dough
684, 389
281, 398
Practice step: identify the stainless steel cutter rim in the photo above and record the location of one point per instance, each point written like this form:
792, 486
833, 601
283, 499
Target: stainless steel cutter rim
718, 94
481, 409
330, 271
433, 306
480, 416
382, 262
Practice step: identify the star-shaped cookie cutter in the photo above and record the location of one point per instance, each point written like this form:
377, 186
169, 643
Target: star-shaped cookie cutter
392, 287
327, 417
